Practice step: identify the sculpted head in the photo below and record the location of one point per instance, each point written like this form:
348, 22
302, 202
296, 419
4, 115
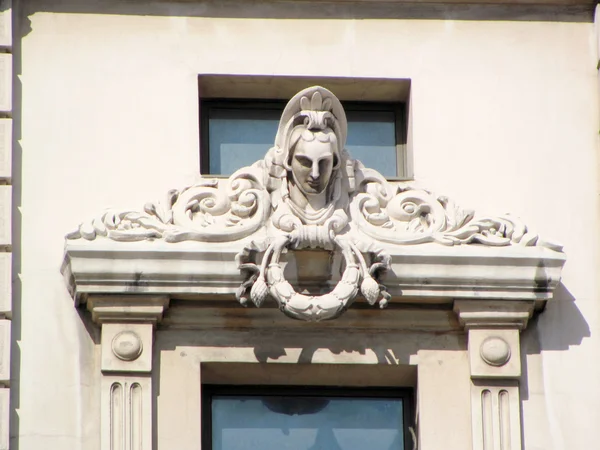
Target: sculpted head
313, 156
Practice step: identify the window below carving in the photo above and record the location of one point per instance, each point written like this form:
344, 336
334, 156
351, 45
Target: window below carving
301, 418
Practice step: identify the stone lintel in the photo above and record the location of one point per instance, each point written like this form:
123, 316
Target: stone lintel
127, 308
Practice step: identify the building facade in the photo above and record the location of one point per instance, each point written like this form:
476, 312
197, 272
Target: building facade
118, 325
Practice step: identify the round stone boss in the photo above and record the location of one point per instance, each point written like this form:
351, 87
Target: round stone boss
127, 345
495, 351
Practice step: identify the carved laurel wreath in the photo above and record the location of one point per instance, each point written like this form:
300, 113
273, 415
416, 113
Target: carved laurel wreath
268, 279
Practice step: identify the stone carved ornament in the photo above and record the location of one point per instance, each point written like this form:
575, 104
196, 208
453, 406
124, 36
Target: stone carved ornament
308, 193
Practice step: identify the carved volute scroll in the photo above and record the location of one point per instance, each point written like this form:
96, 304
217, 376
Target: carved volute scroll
308, 193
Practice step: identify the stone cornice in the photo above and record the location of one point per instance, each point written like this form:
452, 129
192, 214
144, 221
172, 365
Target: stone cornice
425, 273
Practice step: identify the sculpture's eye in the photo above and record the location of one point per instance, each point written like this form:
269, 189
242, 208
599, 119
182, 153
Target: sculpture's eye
304, 161
324, 165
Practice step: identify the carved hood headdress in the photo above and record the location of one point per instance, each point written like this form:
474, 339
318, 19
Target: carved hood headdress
314, 108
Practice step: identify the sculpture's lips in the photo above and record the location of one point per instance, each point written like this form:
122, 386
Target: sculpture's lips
313, 184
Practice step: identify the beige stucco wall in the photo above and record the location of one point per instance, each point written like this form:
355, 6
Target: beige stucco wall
504, 117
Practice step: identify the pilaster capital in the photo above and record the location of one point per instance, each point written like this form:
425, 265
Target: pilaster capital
128, 323
146, 309
493, 314
493, 329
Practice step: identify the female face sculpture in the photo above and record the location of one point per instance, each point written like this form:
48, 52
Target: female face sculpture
313, 160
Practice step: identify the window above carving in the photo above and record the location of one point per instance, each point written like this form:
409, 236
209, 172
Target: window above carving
239, 115
236, 133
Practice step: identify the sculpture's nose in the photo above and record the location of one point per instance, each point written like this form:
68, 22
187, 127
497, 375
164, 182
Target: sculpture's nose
314, 172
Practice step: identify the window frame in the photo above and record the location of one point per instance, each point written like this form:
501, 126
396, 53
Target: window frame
403, 171
406, 394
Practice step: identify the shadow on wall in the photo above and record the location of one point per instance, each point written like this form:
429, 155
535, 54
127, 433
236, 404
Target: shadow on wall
317, 9
17, 242
385, 354
559, 327
391, 348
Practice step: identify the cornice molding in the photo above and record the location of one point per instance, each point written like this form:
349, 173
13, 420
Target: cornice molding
417, 273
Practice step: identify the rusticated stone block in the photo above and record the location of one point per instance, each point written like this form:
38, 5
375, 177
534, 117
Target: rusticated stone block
4, 418
5, 215
5, 23
5, 82
5, 284
5, 149
5, 352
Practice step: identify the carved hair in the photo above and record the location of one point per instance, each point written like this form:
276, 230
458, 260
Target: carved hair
308, 135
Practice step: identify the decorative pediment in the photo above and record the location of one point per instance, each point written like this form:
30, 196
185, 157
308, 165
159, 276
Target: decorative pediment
308, 194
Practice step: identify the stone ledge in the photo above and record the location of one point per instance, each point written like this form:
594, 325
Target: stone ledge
419, 273
488, 287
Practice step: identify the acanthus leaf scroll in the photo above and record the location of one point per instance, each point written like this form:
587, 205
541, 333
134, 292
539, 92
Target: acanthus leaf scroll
208, 211
308, 193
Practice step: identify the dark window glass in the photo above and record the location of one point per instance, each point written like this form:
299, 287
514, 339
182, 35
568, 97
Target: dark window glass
306, 422
236, 134
239, 137
372, 140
